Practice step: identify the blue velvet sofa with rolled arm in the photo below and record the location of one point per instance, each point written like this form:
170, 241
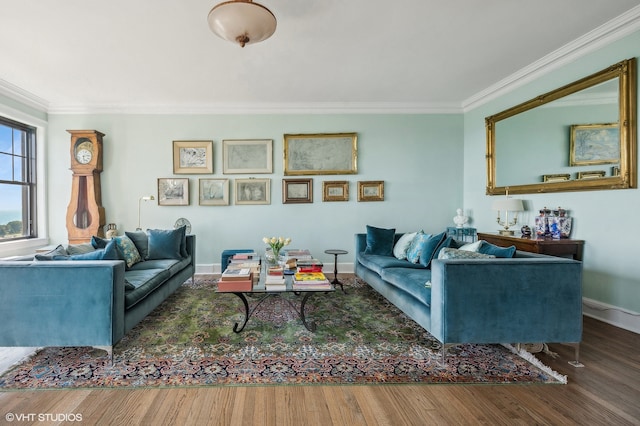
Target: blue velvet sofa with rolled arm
527, 298
73, 300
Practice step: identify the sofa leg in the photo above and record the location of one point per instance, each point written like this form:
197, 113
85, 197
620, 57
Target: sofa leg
108, 350
576, 363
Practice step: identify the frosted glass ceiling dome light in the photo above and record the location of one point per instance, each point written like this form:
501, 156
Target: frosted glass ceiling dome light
242, 21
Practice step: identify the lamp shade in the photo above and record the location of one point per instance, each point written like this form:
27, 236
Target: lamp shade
508, 204
242, 21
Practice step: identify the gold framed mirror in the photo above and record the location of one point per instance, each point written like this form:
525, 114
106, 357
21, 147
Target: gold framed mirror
579, 137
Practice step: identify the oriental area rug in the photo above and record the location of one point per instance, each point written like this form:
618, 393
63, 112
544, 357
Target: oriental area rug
360, 339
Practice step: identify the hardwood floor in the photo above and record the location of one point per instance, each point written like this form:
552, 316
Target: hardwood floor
605, 392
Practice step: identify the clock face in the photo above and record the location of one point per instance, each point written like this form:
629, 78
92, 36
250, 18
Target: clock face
183, 222
84, 156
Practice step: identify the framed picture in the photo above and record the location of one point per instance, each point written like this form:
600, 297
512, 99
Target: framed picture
372, 190
213, 192
336, 190
253, 191
594, 144
247, 156
321, 154
192, 157
173, 191
297, 191
560, 177
594, 174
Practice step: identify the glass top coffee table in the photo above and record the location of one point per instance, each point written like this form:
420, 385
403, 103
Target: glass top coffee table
289, 294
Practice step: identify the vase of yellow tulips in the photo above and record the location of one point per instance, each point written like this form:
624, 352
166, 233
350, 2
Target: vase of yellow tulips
275, 245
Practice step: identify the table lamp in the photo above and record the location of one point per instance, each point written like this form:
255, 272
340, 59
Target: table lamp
507, 205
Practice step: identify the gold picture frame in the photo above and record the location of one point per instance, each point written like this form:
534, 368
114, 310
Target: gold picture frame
593, 174
213, 192
336, 190
321, 154
297, 191
371, 190
252, 191
192, 157
559, 177
173, 191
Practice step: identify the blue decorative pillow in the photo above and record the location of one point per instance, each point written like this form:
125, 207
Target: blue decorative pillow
451, 253
488, 248
141, 241
380, 241
416, 247
128, 250
403, 244
448, 242
98, 242
183, 241
429, 248
58, 251
110, 252
165, 244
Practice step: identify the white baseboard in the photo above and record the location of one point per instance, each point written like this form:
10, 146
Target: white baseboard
614, 315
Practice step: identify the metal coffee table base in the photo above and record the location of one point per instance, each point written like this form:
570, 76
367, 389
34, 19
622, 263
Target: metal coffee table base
311, 325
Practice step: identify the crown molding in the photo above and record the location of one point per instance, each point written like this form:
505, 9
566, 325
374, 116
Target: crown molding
20, 95
264, 108
614, 30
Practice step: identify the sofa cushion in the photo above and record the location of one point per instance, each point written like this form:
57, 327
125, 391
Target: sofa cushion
144, 281
109, 252
58, 251
451, 253
448, 242
417, 245
377, 263
475, 246
172, 265
165, 243
488, 248
416, 282
402, 245
128, 250
141, 241
380, 241
99, 242
429, 249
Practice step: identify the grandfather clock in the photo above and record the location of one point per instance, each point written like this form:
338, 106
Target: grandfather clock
85, 214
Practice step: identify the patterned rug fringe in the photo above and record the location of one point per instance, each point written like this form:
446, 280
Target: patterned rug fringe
535, 361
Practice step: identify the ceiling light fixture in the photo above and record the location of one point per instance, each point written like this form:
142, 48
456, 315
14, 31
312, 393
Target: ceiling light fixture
242, 21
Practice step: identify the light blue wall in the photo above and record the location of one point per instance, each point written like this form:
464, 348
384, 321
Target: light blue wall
601, 218
418, 156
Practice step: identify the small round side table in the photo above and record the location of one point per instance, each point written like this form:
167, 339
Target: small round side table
336, 253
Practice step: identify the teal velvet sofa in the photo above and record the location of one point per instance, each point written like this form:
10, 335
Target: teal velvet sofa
526, 298
57, 299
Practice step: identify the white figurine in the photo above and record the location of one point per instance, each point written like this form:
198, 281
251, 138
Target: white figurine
460, 220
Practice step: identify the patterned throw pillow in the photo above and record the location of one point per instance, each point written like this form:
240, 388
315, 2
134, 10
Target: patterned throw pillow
451, 253
417, 246
128, 250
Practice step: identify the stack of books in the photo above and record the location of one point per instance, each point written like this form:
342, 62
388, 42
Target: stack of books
297, 254
236, 279
274, 280
309, 265
310, 281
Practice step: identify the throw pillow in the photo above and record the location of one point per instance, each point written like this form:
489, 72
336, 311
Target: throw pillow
380, 241
448, 242
80, 248
429, 248
110, 252
401, 247
165, 244
183, 241
416, 247
472, 246
128, 250
141, 241
58, 251
488, 248
451, 253
98, 242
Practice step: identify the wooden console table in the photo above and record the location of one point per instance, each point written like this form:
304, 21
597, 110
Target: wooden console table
564, 247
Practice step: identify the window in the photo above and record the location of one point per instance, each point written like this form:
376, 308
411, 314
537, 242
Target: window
17, 180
